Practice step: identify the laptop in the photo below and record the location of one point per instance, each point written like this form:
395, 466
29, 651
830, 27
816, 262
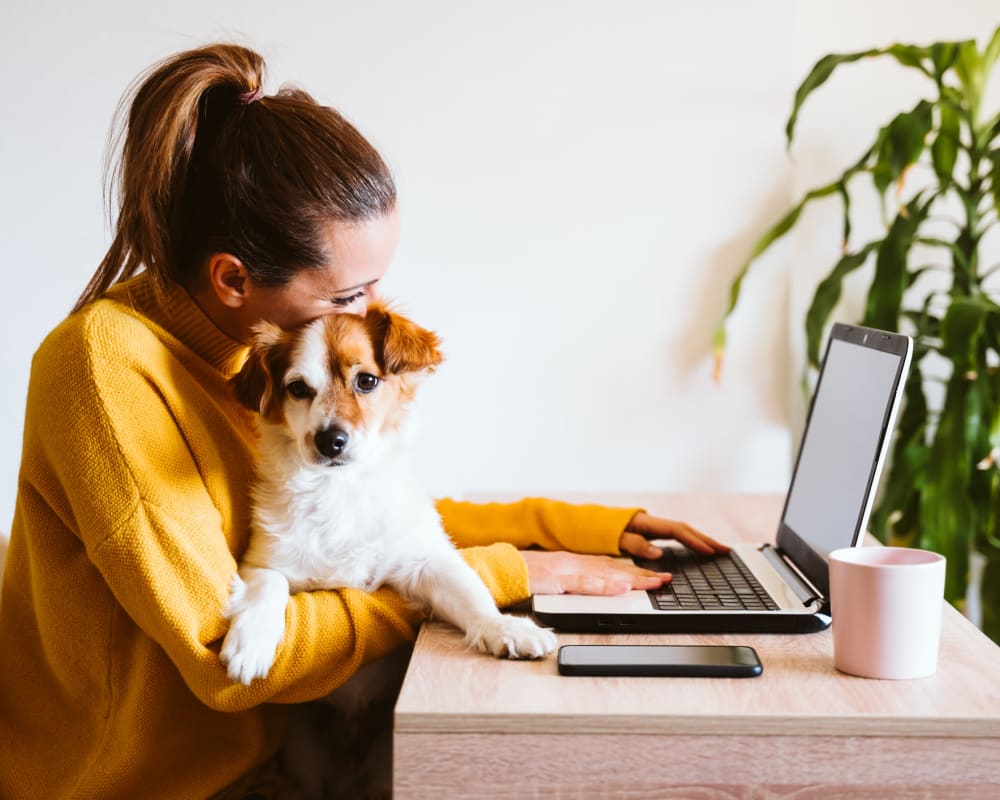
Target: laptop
784, 587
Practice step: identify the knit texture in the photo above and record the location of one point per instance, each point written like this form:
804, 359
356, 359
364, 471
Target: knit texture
132, 511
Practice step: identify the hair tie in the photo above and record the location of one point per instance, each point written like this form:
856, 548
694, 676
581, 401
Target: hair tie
252, 96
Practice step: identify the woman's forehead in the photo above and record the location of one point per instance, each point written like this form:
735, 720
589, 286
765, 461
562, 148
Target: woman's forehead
360, 252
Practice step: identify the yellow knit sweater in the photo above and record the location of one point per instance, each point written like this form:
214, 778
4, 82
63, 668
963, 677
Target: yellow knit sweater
132, 512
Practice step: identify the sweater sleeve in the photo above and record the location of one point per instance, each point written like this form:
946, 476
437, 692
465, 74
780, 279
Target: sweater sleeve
537, 522
502, 569
178, 602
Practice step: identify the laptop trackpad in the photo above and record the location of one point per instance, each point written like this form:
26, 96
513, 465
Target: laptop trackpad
636, 600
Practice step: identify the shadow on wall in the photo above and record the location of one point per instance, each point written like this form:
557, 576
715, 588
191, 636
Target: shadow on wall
711, 295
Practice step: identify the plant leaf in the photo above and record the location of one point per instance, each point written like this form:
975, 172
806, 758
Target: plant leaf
961, 330
992, 51
946, 517
845, 198
993, 380
912, 55
885, 296
819, 75
775, 233
957, 253
991, 594
900, 144
943, 55
989, 134
826, 297
979, 415
910, 454
970, 72
995, 177
908, 55
770, 237
944, 149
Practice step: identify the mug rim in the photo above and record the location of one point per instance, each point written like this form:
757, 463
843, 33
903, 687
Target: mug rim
867, 556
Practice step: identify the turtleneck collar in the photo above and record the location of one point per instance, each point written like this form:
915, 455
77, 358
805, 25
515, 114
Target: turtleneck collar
175, 311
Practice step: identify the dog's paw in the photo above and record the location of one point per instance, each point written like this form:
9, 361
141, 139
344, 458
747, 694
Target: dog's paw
512, 637
257, 627
248, 650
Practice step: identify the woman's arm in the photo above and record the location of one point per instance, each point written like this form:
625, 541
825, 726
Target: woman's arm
537, 522
589, 529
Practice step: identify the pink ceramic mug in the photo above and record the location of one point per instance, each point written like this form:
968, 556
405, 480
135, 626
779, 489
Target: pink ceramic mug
886, 607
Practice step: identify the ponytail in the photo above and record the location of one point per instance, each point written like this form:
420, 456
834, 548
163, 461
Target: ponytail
209, 164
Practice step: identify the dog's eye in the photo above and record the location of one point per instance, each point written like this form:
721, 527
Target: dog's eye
366, 382
299, 390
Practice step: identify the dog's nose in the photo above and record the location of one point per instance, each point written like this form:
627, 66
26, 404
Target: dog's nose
331, 441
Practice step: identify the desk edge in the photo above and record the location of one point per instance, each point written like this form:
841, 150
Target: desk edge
742, 724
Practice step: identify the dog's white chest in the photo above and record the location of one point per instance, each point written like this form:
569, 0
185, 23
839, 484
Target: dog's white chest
345, 529
346, 549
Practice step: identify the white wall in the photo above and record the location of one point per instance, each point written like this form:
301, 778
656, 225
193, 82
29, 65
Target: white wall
578, 182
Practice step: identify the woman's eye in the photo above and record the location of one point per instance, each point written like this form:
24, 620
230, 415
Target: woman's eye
299, 390
346, 301
366, 382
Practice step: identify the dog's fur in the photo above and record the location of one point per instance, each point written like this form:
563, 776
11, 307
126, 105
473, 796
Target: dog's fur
335, 502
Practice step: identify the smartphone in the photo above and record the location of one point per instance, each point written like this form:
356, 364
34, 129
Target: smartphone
652, 660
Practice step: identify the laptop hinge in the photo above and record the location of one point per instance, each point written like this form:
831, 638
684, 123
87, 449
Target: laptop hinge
804, 590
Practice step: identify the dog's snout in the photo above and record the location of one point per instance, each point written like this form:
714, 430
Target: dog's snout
331, 441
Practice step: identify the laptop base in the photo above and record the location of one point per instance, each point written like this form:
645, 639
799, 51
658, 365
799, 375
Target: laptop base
704, 622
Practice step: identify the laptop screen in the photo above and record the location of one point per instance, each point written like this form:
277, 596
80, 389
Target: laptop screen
843, 446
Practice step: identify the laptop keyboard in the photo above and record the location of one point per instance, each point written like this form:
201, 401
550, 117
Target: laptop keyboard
719, 582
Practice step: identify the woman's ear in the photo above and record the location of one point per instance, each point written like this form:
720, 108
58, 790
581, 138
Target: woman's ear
228, 279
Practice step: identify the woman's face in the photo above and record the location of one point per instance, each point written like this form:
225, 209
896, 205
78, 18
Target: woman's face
359, 255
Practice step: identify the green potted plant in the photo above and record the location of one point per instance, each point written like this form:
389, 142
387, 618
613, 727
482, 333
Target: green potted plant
941, 490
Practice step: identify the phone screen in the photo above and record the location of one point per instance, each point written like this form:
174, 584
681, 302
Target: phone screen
659, 660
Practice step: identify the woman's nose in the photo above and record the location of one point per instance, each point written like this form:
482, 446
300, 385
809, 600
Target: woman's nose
372, 296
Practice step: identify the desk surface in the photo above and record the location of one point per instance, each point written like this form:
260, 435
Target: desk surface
800, 701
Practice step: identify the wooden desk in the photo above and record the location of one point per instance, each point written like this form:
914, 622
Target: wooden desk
469, 726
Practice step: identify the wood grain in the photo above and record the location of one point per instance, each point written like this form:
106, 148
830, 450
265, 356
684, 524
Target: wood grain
627, 765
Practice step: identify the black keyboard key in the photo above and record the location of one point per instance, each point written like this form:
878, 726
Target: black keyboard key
711, 582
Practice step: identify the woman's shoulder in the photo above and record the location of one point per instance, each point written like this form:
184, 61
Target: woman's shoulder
135, 328
103, 329
98, 357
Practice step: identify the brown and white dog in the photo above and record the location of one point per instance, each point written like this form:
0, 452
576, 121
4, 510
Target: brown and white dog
335, 500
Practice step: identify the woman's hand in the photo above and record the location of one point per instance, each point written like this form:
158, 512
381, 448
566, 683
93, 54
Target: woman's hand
559, 572
643, 527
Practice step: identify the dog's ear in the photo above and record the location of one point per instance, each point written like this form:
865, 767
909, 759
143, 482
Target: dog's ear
404, 345
254, 383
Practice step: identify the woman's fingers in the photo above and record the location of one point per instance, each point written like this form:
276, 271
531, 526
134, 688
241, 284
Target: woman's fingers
560, 572
659, 528
637, 545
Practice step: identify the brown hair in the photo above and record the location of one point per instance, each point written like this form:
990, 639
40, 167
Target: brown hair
208, 165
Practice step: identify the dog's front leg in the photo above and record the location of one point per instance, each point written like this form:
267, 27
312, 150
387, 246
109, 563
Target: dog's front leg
456, 594
256, 610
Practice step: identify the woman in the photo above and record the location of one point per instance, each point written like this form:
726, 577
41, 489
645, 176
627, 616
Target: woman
132, 507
